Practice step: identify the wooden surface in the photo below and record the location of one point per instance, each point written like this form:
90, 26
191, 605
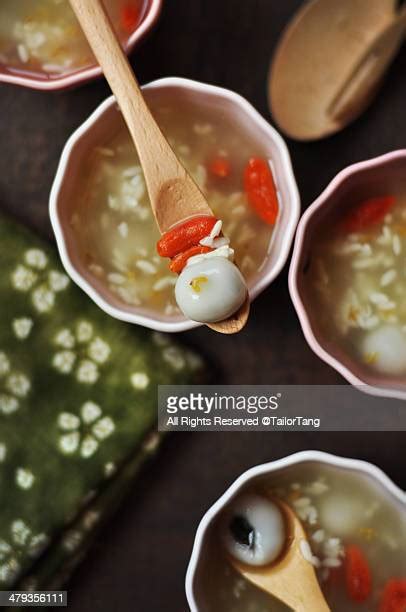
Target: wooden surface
139, 563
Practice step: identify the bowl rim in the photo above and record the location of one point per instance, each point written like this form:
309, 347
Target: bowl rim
359, 465
266, 276
294, 272
86, 74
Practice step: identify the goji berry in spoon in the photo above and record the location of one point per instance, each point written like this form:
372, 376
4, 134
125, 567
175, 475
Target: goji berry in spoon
370, 212
261, 191
394, 596
179, 261
357, 574
183, 236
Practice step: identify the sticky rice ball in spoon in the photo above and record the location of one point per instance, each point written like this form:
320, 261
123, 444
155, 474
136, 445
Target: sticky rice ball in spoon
253, 530
210, 290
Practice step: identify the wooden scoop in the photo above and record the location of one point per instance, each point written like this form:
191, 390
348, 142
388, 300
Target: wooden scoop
364, 79
173, 194
330, 62
291, 578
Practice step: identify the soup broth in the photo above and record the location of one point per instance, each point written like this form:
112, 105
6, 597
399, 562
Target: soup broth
338, 510
114, 228
357, 283
44, 37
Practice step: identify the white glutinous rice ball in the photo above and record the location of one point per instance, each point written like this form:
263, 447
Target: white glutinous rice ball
253, 530
385, 349
210, 290
341, 514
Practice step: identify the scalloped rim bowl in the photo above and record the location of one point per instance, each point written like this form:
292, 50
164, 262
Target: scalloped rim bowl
218, 98
152, 12
364, 468
349, 176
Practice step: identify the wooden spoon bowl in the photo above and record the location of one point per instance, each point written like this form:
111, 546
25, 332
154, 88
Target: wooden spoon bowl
329, 63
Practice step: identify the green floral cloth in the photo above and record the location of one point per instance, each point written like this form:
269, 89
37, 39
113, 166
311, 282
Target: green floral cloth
77, 406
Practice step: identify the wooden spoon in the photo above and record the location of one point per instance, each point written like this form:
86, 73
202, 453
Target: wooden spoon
173, 194
291, 578
330, 62
364, 79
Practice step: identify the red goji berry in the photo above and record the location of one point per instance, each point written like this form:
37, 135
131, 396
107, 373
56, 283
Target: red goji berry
220, 167
357, 574
130, 17
179, 261
394, 596
260, 188
368, 213
185, 235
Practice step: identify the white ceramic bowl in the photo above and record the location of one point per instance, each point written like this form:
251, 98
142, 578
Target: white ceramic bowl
91, 133
194, 586
82, 75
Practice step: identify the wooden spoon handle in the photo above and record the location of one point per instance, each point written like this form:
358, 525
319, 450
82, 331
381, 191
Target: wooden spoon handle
173, 194
145, 132
369, 70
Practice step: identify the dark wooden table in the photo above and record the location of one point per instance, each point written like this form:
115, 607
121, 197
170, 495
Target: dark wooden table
140, 562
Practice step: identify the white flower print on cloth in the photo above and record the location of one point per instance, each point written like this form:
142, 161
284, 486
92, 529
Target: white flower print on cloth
22, 327
22, 541
24, 478
170, 353
83, 434
82, 386
109, 469
3, 452
72, 540
80, 352
14, 386
33, 276
139, 380
174, 357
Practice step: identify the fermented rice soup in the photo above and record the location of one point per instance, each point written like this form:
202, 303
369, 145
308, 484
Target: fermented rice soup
357, 280
115, 232
44, 37
357, 544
